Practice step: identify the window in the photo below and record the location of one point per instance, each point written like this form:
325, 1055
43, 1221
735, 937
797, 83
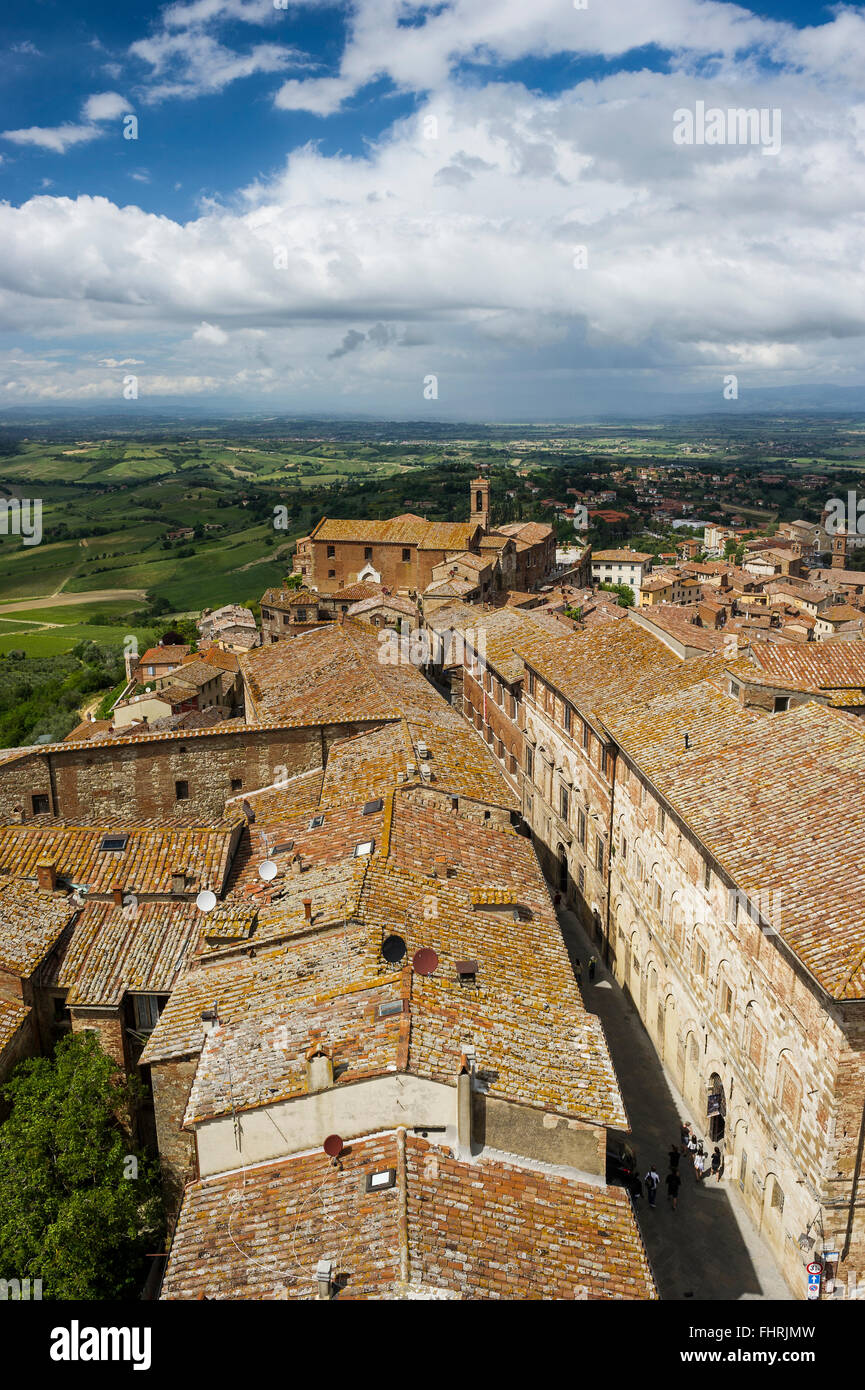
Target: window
181, 791
331, 574
40, 805
662, 820
701, 960
640, 873
657, 896
581, 878
707, 879
301, 615
777, 1196
586, 735
236, 784
146, 1010
604, 762
726, 999
367, 552
581, 828
406, 555
599, 855
624, 850
564, 802
530, 763
756, 1043
331, 552
113, 842
566, 716
789, 1092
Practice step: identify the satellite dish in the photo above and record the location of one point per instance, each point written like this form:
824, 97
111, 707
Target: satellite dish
267, 870
333, 1146
425, 961
206, 901
393, 949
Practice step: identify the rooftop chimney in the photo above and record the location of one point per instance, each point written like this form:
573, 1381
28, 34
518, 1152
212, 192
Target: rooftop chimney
178, 880
324, 1279
307, 909
46, 875
117, 895
441, 866
319, 1068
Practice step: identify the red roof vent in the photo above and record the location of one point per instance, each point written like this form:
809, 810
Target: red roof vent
333, 1146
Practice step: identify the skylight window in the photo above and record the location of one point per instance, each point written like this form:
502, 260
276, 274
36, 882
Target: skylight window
364, 848
114, 842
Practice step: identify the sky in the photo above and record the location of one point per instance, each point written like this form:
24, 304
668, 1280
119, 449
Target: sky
465, 209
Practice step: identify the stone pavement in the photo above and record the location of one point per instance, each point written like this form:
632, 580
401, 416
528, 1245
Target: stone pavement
709, 1249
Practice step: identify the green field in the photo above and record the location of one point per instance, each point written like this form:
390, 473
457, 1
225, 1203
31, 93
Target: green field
109, 506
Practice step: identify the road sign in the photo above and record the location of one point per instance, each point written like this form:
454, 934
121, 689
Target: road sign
814, 1267
813, 1287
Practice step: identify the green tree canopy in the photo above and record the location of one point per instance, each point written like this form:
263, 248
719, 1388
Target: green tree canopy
79, 1204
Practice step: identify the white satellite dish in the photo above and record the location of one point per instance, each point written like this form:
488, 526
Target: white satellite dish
267, 870
206, 901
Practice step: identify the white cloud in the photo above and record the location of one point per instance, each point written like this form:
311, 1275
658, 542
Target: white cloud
104, 106
456, 254
211, 334
57, 138
101, 107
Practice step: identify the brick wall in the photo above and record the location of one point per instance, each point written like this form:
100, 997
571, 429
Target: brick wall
108, 780
171, 1083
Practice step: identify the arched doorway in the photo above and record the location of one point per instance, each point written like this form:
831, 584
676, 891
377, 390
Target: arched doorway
716, 1109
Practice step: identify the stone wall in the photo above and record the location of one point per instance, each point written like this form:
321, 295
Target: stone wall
110, 780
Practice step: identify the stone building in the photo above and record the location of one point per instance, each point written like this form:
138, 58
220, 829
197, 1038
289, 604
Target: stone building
408, 553
717, 868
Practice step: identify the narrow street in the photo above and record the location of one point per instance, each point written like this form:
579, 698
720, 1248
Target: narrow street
708, 1249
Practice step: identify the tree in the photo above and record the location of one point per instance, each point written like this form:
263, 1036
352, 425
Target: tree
79, 1204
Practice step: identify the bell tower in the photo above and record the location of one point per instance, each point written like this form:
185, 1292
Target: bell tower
479, 512
839, 550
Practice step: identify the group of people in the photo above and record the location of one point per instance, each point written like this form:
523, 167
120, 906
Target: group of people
704, 1167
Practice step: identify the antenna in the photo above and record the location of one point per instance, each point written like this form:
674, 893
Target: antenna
393, 949
267, 870
425, 961
206, 900
333, 1147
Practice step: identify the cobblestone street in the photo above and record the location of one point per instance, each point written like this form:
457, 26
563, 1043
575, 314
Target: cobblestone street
709, 1248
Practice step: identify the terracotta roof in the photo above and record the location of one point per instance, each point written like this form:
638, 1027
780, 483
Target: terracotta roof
769, 810
31, 923
144, 865
528, 1022
161, 655
635, 557
407, 529
112, 950
379, 601
819, 666
482, 1230
12, 1015
527, 533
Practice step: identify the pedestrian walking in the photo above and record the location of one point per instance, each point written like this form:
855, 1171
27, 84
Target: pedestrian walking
653, 1182
635, 1187
692, 1143
717, 1163
685, 1134
673, 1182
592, 965
673, 1158
578, 971
699, 1165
